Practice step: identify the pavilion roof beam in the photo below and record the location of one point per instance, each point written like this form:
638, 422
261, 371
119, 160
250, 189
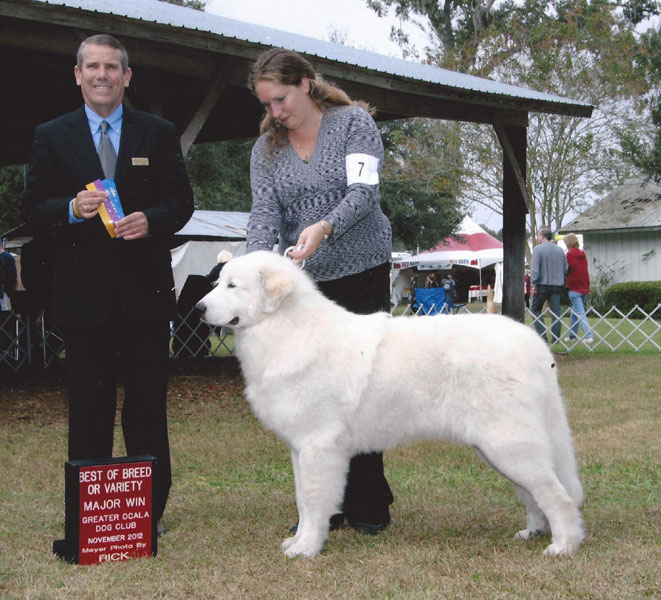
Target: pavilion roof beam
208, 103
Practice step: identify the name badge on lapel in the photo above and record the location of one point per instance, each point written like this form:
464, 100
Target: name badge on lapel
140, 161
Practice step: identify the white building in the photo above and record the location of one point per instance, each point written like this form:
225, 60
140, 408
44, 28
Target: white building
622, 234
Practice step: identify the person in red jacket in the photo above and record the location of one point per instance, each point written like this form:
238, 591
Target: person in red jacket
578, 284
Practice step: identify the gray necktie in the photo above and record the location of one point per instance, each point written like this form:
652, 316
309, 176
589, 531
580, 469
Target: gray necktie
106, 152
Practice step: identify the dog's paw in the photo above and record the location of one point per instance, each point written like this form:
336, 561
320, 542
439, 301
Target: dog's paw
300, 548
565, 547
527, 534
287, 542
556, 550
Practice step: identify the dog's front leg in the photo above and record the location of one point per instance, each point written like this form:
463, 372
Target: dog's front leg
297, 483
320, 474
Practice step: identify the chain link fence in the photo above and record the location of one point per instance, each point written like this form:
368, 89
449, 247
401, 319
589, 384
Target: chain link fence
28, 340
36, 341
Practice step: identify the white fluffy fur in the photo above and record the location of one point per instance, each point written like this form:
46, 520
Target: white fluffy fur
332, 384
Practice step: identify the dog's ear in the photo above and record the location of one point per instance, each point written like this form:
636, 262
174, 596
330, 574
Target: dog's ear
276, 286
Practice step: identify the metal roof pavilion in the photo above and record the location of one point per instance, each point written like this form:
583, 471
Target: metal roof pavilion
192, 67
154, 11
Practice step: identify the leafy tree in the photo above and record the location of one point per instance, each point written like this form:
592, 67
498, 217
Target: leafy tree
643, 146
196, 4
420, 181
453, 26
418, 217
582, 49
497, 234
220, 175
637, 11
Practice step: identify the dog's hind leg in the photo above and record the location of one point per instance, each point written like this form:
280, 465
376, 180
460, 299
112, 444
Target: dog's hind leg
562, 513
529, 467
320, 474
536, 523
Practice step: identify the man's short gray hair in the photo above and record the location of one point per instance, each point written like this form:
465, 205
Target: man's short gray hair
546, 233
103, 39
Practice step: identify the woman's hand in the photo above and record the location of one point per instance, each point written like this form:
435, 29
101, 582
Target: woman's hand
310, 240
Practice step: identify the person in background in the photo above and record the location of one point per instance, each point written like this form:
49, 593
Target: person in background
448, 285
578, 286
526, 289
314, 175
413, 283
547, 277
113, 297
7, 276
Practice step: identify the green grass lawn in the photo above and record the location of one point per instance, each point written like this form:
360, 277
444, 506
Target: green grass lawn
232, 503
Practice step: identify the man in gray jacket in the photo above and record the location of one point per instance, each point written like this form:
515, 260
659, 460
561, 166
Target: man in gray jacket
547, 278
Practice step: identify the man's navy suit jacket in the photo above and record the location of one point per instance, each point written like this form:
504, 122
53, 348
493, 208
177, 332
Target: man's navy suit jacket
95, 274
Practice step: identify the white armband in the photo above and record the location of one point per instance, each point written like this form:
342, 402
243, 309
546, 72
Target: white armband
362, 168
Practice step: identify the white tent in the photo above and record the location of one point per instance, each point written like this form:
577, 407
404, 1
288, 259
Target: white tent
202, 238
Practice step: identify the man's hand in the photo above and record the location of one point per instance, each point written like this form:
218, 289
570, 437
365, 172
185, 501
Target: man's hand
86, 203
132, 227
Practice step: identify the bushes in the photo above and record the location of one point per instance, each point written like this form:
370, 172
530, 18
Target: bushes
646, 294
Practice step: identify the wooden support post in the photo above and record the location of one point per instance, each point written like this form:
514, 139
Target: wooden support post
514, 140
218, 84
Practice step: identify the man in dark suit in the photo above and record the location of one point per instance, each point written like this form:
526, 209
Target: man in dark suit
113, 297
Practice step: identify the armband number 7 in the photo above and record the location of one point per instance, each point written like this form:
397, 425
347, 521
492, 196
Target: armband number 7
362, 168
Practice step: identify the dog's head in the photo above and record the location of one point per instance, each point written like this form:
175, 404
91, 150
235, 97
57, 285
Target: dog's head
249, 288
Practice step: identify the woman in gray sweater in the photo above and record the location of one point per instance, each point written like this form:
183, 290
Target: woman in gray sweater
314, 175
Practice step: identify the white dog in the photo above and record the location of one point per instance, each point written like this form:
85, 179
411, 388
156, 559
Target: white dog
333, 384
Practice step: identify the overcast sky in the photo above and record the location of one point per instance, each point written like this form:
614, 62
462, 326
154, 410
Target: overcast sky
317, 18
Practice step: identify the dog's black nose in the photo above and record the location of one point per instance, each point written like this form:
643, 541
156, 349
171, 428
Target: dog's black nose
201, 308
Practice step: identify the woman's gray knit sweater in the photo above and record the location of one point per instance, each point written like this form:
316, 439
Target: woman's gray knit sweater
289, 194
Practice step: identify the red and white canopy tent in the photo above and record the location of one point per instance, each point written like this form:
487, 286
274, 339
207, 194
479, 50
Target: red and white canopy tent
473, 248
